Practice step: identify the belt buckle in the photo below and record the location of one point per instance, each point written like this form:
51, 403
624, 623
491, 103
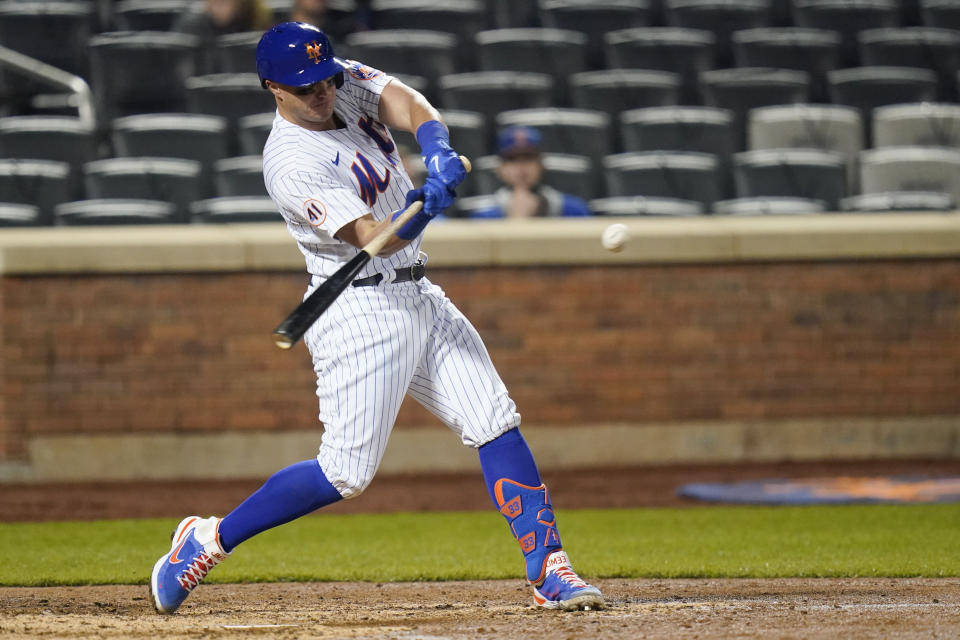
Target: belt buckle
419, 268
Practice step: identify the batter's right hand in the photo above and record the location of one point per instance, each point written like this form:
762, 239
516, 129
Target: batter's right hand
436, 196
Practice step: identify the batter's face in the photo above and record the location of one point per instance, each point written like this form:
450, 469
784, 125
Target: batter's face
310, 107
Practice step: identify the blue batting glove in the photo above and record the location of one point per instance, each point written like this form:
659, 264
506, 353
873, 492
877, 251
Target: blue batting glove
442, 161
412, 196
436, 196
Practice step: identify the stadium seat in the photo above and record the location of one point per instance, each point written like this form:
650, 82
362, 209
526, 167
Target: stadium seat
815, 51
232, 53
118, 63
792, 173
53, 32
744, 88
43, 183
415, 52
923, 47
616, 90
867, 88
681, 175
940, 13
721, 17
50, 138
466, 206
702, 129
230, 95
235, 209
810, 126
568, 173
169, 179
918, 124
174, 135
643, 206
888, 169
17, 214
557, 52
847, 18
114, 212
898, 201
491, 92
469, 132
252, 132
687, 52
239, 176
148, 15
595, 18
464, 18
776, 206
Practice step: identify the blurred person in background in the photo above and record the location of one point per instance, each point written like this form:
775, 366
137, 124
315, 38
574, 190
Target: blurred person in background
336, 24
214, 18
521, 171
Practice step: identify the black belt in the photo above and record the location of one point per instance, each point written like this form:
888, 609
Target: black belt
406, 274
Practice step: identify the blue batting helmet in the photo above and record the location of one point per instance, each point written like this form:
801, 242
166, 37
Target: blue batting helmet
297, 54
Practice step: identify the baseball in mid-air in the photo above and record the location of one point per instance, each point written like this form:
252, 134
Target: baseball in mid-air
615, 237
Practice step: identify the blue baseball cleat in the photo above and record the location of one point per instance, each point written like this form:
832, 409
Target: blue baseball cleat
195, 550
563, 589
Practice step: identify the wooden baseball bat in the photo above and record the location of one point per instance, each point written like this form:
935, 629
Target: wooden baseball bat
302, 318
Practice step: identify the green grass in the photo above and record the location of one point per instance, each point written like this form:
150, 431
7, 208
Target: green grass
710, 542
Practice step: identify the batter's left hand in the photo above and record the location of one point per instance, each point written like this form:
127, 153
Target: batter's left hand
445, 165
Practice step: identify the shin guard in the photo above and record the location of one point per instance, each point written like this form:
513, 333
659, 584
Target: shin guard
530, 516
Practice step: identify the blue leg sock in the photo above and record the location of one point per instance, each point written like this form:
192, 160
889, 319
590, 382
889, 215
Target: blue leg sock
508, 456
288, 494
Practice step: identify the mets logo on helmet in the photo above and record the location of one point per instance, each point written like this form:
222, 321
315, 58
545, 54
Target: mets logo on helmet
315, 51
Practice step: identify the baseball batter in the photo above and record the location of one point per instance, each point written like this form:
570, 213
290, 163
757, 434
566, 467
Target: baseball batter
332, 169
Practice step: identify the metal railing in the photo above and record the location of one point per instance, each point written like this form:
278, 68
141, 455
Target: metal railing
59, 78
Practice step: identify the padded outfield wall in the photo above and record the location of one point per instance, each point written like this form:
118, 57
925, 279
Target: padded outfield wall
145, 352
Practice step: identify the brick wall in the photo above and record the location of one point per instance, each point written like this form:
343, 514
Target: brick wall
192, 352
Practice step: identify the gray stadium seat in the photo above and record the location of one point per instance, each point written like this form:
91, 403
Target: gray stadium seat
681, 175
744, 88
792, 173
616, 90
923, 47
252, 132
702, 129
721, 17
815, 51
233, 53
239, 176
44, 183
463, 18
430, 54
918, 124
568, 173
558, 52
934, 169
595, 18
867, 88
777, 206
235, 209
643, 206
491, 92
687, 52
230, 95
940, 13
53, 32
469, 133
148, 15
114, 212
898, 201
810, 126
169, 179
847, 18
464, 207
174, 135
141, 71
50, 138
17, 214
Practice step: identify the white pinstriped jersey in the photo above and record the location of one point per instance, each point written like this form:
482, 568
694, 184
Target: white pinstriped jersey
321, 180
375, 344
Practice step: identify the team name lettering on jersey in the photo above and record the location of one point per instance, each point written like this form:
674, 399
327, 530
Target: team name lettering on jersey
373, 129
369, 181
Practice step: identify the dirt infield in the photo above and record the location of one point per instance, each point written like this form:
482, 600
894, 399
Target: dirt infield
721, 609
714, 609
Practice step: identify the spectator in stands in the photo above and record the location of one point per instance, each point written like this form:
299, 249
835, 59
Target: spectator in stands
336, 26
521, 171
220, 17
